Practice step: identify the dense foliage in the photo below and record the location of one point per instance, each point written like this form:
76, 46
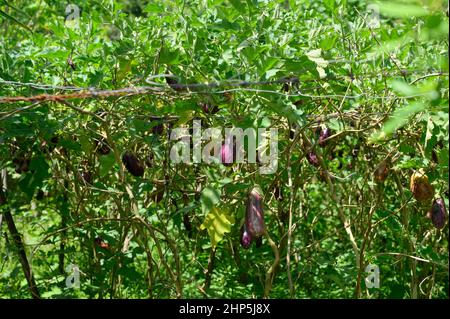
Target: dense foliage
360, 100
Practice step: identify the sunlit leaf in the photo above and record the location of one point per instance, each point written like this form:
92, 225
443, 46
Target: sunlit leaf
217, 222
397, 120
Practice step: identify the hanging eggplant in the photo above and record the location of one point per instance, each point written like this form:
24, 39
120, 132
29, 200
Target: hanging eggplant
381, 172
438, 213
421, 188
254, 217
312, 159
246, 238
325, 133
133, 164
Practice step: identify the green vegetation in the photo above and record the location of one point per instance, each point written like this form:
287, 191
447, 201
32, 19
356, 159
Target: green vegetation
357, 90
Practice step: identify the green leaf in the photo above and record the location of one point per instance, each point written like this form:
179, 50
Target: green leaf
167, 56
328, 43
286, 108
403, 88
427, 89
300, 65
400, 117
141, 125
153, 8
330, 4
124, 69
39, 171
270, 63
408, 163
130, 273
86, 144
70, 145
239, 5
209, 197
7, 16
217, 222
401, 10
430, 138
271, 73
106, 162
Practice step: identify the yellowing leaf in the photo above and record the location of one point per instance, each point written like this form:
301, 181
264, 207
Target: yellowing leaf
315, 56
217, 222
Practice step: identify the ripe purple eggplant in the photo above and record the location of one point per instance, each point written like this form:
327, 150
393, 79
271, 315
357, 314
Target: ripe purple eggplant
325, 133
254, 217
55, 139
101, 243
246, 238
312, 159
133, 164
158, 194
228, 153
438, 213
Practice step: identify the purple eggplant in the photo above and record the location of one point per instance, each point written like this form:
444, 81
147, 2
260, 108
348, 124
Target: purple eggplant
312, 159
133, 164
438, 213
87, 177
325, 133
228, 153
102, 146
254, 217
246, 238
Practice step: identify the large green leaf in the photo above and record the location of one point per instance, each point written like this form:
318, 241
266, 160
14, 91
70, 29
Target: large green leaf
401, 9
11, 18
209, 197
400, 117
106, 162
